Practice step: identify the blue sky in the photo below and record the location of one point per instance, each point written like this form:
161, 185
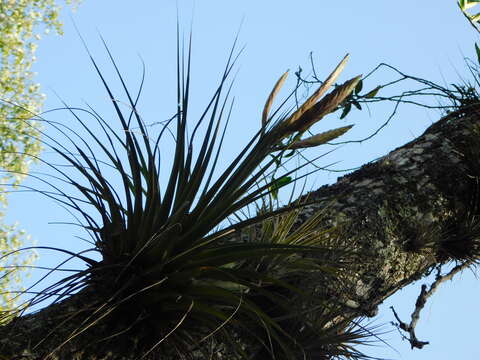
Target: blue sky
422, 38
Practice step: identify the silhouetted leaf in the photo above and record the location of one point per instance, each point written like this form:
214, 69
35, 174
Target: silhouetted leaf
346, 110
359, 87
373, 93
277, 184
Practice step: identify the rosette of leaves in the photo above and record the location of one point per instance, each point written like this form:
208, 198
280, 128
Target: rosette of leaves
179, 276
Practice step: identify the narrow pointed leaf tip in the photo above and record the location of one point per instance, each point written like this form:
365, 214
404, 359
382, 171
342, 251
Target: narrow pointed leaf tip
271, 97
321, 138
329, 81
325, 106
374, 92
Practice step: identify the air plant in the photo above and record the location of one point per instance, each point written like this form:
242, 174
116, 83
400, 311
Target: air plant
175, 279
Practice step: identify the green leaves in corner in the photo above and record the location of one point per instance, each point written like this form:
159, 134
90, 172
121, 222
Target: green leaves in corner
474, 19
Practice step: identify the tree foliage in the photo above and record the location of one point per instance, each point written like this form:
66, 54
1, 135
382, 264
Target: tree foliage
22, 23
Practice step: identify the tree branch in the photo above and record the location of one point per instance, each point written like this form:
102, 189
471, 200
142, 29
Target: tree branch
420, 304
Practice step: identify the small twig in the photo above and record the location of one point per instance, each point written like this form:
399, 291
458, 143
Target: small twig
420, 304
312, 64
410, 328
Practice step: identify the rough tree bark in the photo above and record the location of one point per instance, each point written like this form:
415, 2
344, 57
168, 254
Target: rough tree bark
407, 209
